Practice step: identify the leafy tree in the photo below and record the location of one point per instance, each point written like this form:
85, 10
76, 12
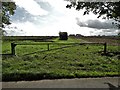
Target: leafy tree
63, 35
106, 10
7, 9
119, 34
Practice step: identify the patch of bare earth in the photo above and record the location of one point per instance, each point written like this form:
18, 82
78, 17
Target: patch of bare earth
109, 40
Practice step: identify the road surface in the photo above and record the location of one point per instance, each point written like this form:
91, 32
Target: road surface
106, 82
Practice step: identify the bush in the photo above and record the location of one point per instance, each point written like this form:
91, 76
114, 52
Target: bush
63, 35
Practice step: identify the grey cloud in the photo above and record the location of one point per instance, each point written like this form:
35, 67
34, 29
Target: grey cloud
44, 5
96, 24
100, 28
112, 31
99, 25
106, 32
21, 15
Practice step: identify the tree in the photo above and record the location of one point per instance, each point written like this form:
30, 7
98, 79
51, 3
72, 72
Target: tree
8, 9
119, 34
63, 35
106, 10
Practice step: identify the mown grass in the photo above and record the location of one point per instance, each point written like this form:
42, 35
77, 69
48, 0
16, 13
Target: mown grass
71, 62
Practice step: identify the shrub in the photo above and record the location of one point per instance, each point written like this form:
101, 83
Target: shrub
63, 35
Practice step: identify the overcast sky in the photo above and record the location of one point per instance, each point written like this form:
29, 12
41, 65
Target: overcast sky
48, 17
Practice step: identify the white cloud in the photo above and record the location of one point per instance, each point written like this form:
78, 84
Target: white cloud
31, 6
97, 24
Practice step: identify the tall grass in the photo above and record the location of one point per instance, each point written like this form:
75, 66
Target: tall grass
71, 62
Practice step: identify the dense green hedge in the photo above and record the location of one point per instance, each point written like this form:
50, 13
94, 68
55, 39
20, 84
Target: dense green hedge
63, 35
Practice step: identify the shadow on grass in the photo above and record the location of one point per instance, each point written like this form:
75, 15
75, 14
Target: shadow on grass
50, 50
32, 76
17, 76
4, 56
8, 55
110, 54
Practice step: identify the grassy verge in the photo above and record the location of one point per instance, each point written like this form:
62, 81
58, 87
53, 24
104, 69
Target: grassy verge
71, 62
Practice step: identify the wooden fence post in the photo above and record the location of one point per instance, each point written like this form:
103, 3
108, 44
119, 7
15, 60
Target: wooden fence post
48, 47
105, 48
13, 48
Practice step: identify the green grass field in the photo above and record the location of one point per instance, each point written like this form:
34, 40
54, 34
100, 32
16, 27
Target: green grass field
35, 62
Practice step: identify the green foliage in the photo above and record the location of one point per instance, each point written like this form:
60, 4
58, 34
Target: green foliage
63, 35
119, 34
2, 32
8, 9
109, 10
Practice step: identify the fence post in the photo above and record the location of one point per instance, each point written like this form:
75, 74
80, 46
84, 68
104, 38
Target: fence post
105, 48
48, 47
13, 48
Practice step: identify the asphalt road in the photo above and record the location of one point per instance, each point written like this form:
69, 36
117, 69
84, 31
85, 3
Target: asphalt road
106, 82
